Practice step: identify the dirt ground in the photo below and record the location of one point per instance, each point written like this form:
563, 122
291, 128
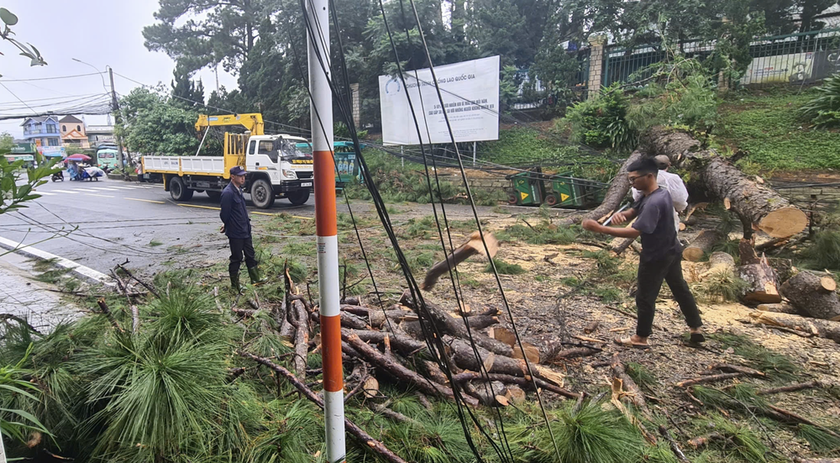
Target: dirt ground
559, 292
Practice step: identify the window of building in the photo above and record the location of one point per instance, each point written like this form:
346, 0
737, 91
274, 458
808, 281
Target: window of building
53, 141
79, 128
63, 128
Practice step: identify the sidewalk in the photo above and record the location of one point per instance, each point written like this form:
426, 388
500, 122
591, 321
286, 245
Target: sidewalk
23, 296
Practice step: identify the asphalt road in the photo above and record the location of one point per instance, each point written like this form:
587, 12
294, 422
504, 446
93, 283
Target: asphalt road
102, 224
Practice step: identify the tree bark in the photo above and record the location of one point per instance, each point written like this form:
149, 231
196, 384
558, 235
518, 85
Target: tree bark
813, 294
756, 204
398, 371
721, 262
615, 194
702, 244
782, 307
465, 251
821, 328
763, 285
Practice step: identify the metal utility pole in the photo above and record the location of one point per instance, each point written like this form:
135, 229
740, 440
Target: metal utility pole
115, 107
318, 51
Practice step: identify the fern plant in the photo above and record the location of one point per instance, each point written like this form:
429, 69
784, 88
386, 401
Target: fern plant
824, 109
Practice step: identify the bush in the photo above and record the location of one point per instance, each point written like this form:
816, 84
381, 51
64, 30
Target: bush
825, 251
824, 109
602, 122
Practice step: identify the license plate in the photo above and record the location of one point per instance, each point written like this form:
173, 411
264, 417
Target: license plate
306, 184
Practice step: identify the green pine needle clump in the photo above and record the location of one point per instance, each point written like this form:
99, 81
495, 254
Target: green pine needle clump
819, 440
825, 250
590, 434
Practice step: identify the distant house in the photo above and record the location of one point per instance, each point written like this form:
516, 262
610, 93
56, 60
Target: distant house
43, 131
73, 132
100, 134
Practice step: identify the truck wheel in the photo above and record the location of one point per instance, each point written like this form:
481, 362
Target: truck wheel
298, 197
214, 195
178, 190
262, 195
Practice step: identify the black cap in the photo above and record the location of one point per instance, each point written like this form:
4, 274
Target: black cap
237, 170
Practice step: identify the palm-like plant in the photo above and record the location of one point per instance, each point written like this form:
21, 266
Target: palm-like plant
824, 109
17, 422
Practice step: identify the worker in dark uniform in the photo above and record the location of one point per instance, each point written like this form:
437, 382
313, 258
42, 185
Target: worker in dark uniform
237, 227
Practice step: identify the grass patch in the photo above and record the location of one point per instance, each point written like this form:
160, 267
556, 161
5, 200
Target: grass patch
419, 228
154, 243
769, 128
606, 264
504, 268
542, 233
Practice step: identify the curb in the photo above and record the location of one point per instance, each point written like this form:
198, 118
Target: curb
80, 271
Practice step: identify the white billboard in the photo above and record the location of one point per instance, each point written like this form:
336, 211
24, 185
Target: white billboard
470, 91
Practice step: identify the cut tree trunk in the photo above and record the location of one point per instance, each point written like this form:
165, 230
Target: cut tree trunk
782, 307
756, 204
470, 248
763, 286
813, 294
615, 194
720, 262
821, 328
702, 244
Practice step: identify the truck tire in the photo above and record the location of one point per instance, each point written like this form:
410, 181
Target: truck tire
298, 197
262, 194
214, 195
178, 190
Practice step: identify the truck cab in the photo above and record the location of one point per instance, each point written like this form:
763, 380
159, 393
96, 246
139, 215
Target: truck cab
276, 167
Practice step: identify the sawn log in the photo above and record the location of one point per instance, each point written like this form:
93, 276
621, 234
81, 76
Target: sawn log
758, 206
813, 294
470, 248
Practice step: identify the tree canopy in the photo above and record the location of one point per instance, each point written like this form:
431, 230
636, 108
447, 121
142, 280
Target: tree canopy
263, 42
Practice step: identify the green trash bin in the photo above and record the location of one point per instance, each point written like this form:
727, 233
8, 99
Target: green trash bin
527, 189
566, 191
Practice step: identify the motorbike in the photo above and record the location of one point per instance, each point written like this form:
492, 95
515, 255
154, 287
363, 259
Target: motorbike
58, 176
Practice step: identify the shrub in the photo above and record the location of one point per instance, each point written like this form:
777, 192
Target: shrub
824, 109
825, 251
504, 268
602, 122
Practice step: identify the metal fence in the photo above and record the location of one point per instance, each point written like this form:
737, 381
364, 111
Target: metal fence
794, 58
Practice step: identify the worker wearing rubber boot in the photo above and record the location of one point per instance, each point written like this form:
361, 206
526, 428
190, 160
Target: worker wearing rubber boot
237, 227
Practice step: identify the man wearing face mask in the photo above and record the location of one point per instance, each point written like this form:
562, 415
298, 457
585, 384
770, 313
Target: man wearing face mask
237, 227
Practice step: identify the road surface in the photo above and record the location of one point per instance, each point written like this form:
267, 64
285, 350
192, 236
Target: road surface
102, 224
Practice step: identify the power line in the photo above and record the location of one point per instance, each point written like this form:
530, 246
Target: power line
18, 98
52, 78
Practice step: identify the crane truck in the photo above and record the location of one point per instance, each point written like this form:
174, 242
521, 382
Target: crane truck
275, 166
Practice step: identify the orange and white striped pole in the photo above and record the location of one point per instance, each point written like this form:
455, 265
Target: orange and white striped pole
327, 231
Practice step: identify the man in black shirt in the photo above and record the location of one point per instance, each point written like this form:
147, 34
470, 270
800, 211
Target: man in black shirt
237, 227
661, 252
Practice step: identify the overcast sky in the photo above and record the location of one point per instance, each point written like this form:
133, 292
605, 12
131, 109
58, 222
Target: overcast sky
100, 32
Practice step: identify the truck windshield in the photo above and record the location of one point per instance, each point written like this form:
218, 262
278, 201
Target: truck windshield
289, 150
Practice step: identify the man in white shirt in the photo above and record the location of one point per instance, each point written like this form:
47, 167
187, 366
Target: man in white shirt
671, 182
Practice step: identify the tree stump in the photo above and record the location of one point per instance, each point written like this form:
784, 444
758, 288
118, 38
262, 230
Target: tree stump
703, 243
813, 294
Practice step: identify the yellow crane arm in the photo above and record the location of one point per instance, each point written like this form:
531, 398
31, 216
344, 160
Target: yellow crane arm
252, 122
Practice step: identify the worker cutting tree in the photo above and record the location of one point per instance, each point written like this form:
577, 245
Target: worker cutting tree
661, 257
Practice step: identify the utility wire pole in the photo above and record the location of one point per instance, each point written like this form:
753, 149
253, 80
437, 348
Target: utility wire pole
326, 229
115, 107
